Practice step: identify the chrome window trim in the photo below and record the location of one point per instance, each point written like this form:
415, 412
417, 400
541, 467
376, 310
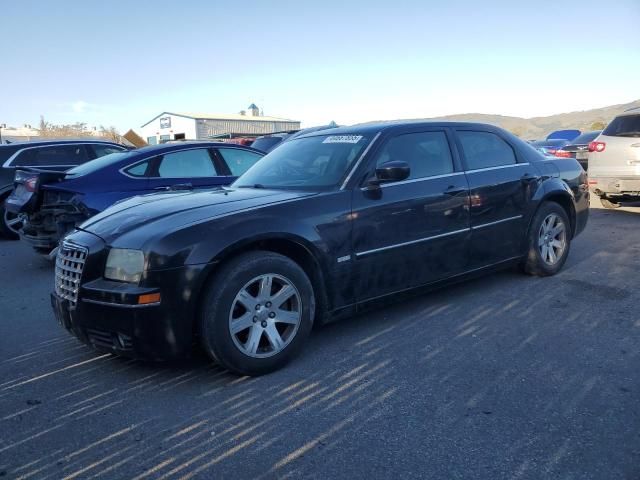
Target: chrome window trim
7, 163
359, 161
511, 165
413, 180
489, 224
412, 242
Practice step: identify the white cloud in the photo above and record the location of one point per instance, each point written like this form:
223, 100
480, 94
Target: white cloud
80, 106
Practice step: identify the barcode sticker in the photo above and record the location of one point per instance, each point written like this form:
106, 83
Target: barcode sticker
343, 139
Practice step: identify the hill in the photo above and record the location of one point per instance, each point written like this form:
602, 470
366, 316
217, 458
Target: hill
540, 127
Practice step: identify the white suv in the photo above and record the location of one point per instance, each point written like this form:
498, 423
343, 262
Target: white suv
614, 161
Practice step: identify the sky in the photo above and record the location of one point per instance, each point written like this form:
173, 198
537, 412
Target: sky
121, 63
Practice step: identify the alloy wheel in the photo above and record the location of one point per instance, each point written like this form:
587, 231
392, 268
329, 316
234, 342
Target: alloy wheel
13, 222
552, 239
265, 315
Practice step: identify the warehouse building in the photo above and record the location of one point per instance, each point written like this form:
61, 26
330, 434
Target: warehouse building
195, 126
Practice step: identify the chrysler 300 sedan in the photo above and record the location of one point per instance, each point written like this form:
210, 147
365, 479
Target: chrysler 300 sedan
315, 230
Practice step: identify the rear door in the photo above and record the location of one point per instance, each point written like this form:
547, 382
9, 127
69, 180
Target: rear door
415, 231
500, 188
192, 167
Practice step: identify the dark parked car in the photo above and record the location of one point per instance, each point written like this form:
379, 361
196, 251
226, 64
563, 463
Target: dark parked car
266, 143
549, 147
44, 155
55, 202
564, 135
579, 148
318, 229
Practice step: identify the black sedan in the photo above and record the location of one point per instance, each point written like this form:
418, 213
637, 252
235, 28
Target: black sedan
579, 148
316, 230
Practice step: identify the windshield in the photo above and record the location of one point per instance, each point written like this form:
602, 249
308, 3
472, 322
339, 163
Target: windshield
98, 163
306, 163
624, 126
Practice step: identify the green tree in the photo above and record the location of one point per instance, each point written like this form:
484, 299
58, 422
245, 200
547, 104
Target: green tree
598, 125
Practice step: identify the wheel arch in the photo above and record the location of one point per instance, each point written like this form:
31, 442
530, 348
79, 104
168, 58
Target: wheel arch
292, 247
566, 201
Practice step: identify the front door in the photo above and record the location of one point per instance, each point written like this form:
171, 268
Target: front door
500, 187
415, 231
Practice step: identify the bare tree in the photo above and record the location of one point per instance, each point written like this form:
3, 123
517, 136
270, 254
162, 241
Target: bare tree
111, 133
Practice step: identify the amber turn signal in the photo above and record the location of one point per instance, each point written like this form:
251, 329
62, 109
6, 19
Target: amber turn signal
149, 298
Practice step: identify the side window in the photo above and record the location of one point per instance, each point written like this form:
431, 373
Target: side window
152, 140
427, 153
102, 150
485, 150
187, 163
238, 161
138, 170
54, 155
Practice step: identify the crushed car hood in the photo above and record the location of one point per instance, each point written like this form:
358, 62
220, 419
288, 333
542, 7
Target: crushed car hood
179, 208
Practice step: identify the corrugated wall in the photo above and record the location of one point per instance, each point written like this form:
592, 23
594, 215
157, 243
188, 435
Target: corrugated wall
208, 128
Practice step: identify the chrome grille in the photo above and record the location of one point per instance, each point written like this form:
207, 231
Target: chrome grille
69, 264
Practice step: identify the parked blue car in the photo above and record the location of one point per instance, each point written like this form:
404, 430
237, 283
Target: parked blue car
53, 203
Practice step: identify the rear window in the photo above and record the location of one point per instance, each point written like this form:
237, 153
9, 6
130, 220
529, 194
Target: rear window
99, 163
624, 126
266, 143
549, 143
586, 138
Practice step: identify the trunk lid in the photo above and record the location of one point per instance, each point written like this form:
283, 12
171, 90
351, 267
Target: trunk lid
27, 188
620, 158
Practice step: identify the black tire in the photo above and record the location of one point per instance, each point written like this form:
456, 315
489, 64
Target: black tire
534, 263
5, 230
606, 203
220, 297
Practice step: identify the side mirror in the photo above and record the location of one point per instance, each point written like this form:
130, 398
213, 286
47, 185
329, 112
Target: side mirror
391, 172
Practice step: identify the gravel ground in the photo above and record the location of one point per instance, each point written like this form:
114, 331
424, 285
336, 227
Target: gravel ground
507, 376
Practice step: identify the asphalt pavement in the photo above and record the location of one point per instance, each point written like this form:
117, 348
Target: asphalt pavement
504, 377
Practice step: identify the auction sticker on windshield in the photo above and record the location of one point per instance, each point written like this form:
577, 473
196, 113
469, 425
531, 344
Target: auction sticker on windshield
343, 139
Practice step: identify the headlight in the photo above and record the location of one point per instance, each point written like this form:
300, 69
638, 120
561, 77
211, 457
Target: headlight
124, 265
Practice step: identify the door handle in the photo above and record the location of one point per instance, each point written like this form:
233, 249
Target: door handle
527, 178
453, 190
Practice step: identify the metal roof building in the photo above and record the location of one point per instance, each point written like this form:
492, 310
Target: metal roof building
202, 126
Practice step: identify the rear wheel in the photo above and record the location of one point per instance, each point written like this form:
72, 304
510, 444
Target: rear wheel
606, 203
257, 313
549, 240
10, 223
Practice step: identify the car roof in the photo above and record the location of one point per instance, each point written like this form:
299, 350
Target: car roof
39, 143
631, 111
375, 127
169, 147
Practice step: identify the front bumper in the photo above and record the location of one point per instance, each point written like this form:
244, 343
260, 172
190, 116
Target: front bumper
106, 317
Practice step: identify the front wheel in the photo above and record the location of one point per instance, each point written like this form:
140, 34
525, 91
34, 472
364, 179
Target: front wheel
549, 239
257, 313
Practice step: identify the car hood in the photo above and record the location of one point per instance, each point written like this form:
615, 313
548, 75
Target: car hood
167, 211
